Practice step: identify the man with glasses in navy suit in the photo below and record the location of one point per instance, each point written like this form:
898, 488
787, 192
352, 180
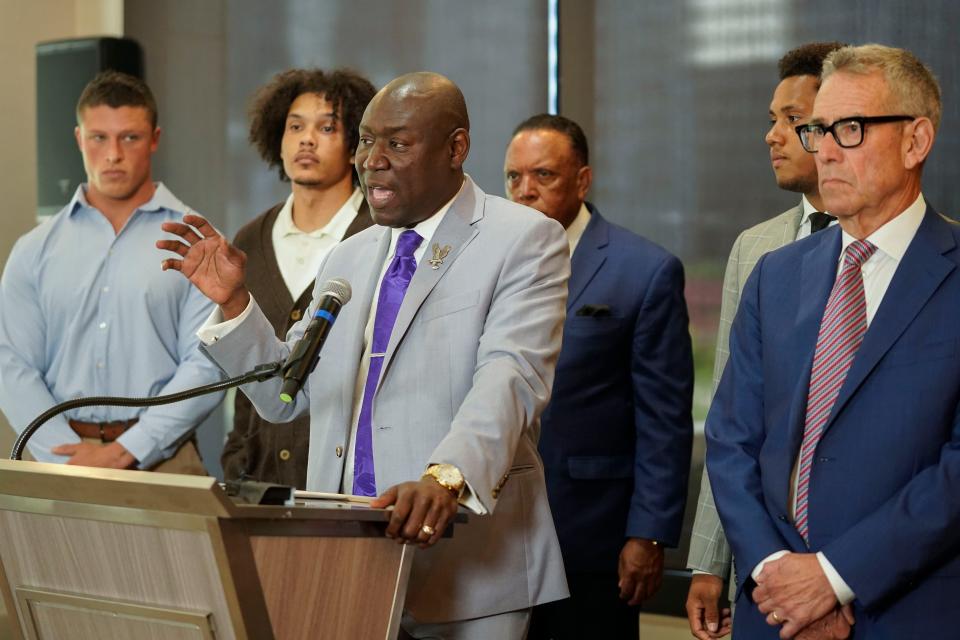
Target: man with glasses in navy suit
833, 443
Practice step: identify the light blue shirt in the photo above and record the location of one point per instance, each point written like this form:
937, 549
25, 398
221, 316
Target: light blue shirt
88, 312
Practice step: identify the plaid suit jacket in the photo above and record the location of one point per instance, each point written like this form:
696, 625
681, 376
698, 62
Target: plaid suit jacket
709, 550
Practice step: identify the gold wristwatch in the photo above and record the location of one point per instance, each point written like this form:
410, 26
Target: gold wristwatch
448, 477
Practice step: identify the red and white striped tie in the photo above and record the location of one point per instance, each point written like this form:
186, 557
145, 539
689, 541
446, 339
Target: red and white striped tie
841, 333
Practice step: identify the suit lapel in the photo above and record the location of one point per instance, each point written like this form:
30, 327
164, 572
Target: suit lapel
588, 257
791, 225
456, 230
818, 271
918, 276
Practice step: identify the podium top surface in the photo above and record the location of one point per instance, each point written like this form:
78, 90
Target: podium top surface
22, 480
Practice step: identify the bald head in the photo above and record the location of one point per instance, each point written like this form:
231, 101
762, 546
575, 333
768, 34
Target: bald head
433, 92
414, 139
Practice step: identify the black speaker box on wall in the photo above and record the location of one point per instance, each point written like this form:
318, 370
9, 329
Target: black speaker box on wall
64, 67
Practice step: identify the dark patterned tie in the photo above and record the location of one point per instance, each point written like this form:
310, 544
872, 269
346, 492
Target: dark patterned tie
841, 332
820, 221
392, 289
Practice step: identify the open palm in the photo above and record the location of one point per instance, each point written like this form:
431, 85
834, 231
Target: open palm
211, 263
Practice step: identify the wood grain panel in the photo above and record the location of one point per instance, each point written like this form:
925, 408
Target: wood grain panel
328, 587
147, 565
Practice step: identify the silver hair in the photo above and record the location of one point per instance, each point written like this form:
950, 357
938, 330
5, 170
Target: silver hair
913, 87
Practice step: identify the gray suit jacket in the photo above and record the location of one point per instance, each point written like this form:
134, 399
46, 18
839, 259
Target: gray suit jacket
466, 375
709, 550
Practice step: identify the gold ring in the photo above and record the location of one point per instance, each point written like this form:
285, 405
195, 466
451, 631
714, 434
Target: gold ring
776, 618
427, 529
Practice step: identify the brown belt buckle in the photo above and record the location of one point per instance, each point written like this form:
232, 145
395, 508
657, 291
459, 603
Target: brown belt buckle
101, 425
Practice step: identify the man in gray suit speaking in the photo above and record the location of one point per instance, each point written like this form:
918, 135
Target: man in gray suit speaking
434, 376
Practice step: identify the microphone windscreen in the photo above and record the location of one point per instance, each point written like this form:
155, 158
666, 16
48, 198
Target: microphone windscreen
338, 288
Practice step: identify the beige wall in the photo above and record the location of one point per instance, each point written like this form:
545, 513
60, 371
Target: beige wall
24, 24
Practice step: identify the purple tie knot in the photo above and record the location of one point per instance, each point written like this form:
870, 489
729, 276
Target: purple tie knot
408, 242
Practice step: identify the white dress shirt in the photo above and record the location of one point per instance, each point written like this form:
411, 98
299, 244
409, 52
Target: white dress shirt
300, 253
891, 240
577, 227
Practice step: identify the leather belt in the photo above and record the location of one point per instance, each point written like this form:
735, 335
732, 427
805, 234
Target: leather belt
103, 431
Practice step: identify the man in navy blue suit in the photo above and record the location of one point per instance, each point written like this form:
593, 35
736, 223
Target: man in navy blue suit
834, 438
616, 436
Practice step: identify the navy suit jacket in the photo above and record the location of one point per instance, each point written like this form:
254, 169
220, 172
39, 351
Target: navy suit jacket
617, 433
885, 485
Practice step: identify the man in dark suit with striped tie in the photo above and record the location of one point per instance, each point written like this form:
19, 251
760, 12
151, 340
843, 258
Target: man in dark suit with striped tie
834, 438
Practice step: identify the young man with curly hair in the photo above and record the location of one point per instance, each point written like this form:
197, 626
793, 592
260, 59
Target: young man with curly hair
304, 122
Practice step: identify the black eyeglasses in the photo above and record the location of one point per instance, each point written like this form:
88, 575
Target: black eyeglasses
848, 132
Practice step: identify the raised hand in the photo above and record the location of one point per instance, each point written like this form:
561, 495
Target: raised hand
211, 263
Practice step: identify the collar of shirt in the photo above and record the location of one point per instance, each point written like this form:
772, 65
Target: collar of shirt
426, 229
808, 209
576, 228
893, 238
161, 200
337, 226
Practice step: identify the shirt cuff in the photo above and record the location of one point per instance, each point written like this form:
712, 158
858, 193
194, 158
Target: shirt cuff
470, 501
842, 590
141, 446
216, 327
770, 558
698, 572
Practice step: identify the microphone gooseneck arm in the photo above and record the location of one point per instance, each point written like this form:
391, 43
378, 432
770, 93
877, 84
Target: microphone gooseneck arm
258, 374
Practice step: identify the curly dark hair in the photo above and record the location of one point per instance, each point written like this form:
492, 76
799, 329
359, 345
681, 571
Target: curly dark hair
560, 124
116, 90
346, 90
807, 59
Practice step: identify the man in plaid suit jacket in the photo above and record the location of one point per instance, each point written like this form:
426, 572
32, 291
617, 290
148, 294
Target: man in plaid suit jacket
710, 558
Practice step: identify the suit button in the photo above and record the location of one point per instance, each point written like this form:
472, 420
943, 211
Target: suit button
295, 314
339, 452
284, 454
782, 518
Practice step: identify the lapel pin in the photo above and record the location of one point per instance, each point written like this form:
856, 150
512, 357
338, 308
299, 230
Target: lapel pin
439, 253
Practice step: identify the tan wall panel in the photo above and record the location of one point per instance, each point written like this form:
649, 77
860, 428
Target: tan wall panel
24, 24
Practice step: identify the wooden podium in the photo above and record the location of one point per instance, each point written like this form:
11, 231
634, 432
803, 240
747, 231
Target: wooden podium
96, 553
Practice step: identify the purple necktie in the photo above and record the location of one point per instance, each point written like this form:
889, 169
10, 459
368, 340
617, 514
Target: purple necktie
392, 289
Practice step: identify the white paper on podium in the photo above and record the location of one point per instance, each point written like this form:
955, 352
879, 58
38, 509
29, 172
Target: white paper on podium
300, 494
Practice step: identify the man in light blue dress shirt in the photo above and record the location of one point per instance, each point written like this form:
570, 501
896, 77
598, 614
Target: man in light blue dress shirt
84, 311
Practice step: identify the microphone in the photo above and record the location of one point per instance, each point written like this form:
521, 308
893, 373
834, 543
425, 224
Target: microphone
302, 360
